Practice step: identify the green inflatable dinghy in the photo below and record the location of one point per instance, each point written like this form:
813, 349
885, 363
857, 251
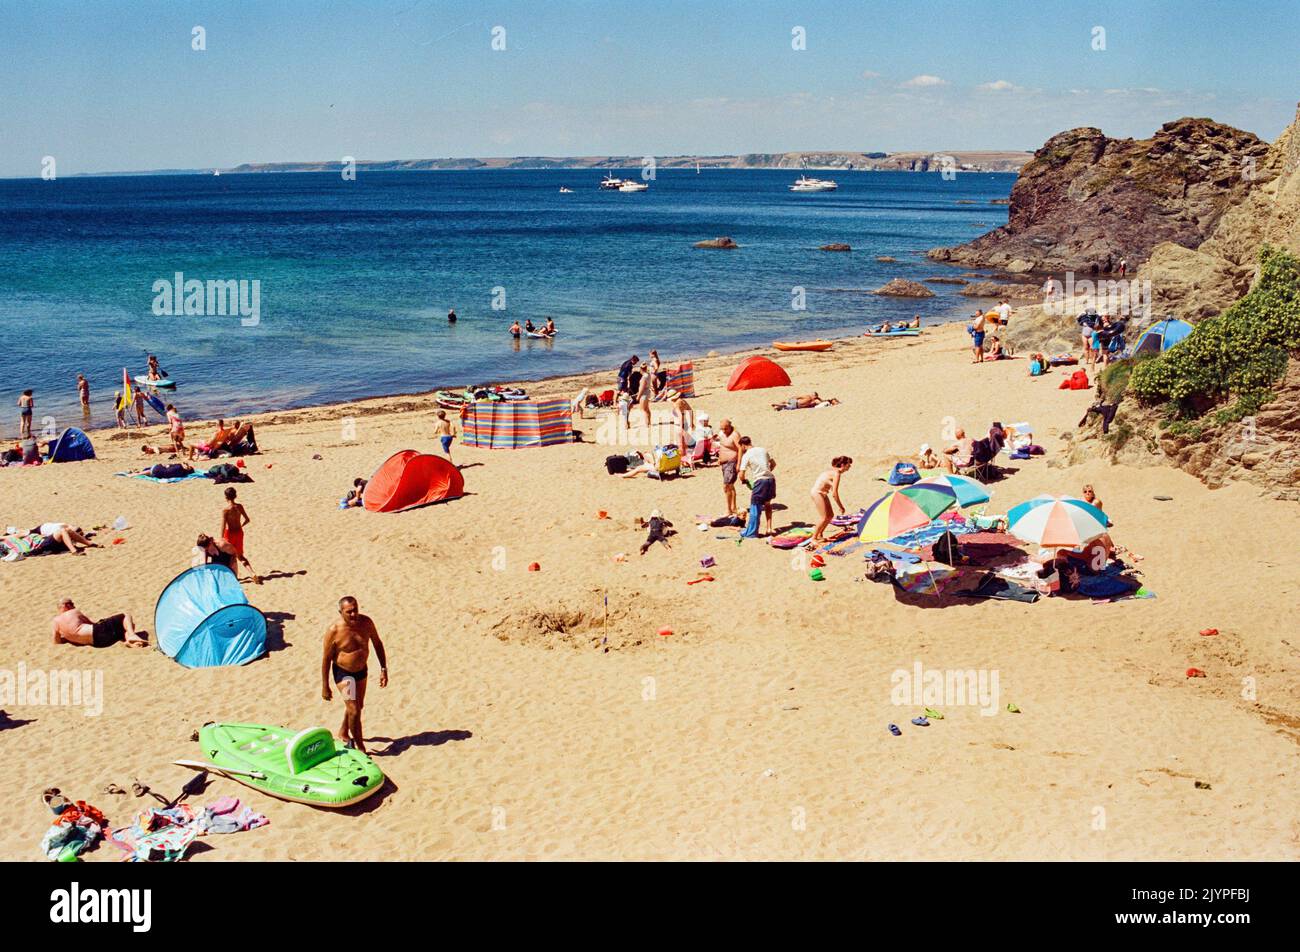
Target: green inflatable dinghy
305, 766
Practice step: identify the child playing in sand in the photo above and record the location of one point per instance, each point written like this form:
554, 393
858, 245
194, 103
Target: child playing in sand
445, 432
233, 520
826, 488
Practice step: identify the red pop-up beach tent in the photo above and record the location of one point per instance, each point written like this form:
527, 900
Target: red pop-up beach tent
409, 479
757, 373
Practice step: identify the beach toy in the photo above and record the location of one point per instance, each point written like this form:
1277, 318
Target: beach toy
120, 523
239, 464
707, 562
817, 575
535, 567
665, 632
602, 514
702, 578
306, 766
1012, 708
817, 561
932, 713
1195, 673
1209, 631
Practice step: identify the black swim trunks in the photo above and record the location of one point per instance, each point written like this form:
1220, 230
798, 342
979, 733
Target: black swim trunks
340, 674
108, 631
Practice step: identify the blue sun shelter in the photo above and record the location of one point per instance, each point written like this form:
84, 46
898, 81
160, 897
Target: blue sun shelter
203, 620
72, 446
1160, 336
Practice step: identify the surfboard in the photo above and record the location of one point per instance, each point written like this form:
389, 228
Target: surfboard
159, 407
542, 336
307, 766
166, 384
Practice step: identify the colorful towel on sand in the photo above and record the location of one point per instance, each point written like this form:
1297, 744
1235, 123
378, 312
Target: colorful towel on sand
155, 479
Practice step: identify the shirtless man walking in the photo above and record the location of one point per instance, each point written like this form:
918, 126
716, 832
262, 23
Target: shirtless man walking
347, 649
727, 440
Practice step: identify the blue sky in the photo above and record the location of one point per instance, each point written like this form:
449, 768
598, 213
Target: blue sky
106, 86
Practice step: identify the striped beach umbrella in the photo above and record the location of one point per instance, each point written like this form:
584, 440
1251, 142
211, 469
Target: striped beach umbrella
903, 510
969, 492
1056, 521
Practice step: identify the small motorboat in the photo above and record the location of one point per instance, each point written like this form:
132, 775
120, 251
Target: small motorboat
803, 345
632, 186
565, 191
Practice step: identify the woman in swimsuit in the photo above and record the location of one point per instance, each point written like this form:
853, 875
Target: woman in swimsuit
25, 404
826, 487
514, 329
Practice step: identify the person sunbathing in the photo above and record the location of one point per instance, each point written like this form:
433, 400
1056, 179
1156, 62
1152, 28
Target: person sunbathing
69, 536
215, 443
927, 459
71, 626
644, 468
805, 402
915, 322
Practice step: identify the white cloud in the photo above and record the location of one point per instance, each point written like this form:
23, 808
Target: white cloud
917, 82
997, 86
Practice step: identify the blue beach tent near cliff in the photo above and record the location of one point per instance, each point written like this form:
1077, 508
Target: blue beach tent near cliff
72, 446
1160, 336
203, 620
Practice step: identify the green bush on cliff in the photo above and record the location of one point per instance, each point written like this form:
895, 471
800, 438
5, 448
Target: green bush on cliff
1240, 353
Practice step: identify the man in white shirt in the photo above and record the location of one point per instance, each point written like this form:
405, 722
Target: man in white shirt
1004, 313
756, 466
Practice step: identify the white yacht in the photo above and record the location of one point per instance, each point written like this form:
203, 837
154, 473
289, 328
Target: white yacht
630, 185
610, 182
806, 184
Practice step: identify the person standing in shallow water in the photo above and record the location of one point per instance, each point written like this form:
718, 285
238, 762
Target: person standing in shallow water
26, 404
451, 316
83, 391
347, 650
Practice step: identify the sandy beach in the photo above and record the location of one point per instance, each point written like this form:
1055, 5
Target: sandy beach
522, 721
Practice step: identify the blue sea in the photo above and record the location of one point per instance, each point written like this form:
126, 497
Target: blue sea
355, 277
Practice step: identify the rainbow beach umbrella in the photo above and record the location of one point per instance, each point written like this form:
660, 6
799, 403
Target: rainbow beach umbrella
1056, 521
969, 492
903, 510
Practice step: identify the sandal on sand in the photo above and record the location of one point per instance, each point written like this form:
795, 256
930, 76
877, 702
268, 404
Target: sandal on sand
894, 729
114, 790
932, 713
920, 722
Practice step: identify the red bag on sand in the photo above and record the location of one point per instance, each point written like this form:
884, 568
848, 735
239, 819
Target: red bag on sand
1076, 381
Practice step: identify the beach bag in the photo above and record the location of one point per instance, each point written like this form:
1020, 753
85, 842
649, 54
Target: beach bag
667, 461
615, 465
1076, 381
903, 474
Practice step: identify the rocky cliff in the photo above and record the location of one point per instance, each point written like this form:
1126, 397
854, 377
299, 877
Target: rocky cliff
1086, 199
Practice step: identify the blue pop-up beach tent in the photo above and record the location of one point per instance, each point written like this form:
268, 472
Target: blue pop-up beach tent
203, 620
72, 446
1161, 335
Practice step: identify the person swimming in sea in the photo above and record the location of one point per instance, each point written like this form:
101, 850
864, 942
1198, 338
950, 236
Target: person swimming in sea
529, 327
549, 329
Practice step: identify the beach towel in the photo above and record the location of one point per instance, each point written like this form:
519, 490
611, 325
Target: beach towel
993, 586
1106, 586
903, 474
791, 538
155, 479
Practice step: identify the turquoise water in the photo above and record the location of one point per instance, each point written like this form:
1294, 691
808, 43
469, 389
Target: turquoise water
355, 278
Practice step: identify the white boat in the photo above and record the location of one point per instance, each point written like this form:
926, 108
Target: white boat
610, 182
565, 191
806, 184
630, 186
216, 171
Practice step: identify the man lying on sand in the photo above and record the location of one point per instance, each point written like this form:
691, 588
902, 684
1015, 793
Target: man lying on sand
72, 627
347, 649
805, 402
70, 536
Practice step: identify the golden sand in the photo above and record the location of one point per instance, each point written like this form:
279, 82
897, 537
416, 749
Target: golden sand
758, 728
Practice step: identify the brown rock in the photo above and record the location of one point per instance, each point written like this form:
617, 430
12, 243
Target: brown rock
723, 242
946, 281
835, 247
1085, 198
900, 287
995, 289
886, 259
